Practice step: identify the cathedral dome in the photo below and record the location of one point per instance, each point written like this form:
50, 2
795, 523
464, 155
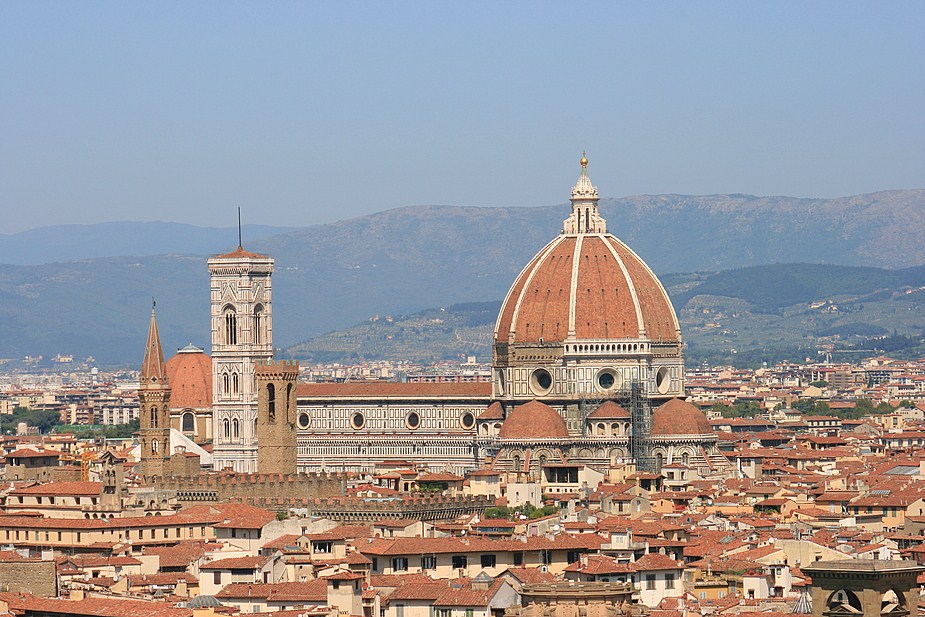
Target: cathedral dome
189, 375
586, 285
533, 420
677, 417
609, 410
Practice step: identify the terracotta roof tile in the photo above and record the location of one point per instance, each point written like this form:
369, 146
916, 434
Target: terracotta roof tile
677, 417
609, 410
533, 420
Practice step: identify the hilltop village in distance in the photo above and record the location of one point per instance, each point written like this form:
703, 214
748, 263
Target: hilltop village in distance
585, 472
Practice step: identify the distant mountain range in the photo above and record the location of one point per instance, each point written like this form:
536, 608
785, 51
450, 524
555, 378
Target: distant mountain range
59, 243
745, 317
399, 262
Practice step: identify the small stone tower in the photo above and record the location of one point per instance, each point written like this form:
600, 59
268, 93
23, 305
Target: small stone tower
153, 403
276, 416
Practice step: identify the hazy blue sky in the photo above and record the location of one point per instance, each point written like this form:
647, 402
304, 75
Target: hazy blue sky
311, 112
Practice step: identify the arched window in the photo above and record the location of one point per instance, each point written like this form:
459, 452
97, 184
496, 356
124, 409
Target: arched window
259, 325
685, 459
189, 422
226, 384
154, 417
516, 462
154, 446
288, 397
226, 429
231, 326
234, 384
271, 402
235, 429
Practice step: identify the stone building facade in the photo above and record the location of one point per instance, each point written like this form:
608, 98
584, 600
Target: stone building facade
242, 336
587, 370
276, 416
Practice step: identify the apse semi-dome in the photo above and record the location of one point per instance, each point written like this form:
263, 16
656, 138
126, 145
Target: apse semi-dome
677, 417
587, 318
189, 374
533, 420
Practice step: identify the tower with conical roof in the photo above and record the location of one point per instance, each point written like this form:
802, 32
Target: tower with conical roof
242, 337
153, 403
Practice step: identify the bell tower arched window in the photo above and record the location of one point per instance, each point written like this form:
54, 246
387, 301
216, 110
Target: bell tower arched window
231, 326
154, 417
271, 402
259, 325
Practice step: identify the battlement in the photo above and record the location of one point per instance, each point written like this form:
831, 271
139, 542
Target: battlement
283, 369
436, 508
250, 487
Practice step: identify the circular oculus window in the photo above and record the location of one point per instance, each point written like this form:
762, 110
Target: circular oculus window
467, 420
662, 380
541, 381
357, 420
413, 420
304, 420
608, 379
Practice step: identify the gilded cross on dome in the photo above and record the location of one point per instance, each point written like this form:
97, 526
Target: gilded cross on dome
585, 217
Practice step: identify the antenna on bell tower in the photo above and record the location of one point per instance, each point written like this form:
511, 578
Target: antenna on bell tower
240, 240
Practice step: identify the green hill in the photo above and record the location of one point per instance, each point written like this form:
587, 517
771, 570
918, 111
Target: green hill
742, 317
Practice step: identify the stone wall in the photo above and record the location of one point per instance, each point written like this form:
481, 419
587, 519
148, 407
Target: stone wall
254, 488
359, 510
40, 578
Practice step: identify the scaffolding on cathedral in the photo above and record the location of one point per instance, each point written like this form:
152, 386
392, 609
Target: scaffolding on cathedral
640, 438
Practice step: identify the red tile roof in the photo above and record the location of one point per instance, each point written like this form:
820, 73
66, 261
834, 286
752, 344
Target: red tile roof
229, 563
28, 453
190, 379
609, 410
92, 607
315, 591
613, 288
62, 488
677, 417
533, 420
392, 389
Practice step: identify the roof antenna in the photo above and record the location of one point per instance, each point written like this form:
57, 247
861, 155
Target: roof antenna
240, 241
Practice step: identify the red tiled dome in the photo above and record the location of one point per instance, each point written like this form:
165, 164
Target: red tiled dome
189, 375
677, 417
612, 295
492, 412
609, 410
533, 420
